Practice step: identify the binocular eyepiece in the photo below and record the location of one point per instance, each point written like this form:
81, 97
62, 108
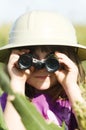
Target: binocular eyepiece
27, 60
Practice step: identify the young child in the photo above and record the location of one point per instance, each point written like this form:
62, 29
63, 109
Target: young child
44, 64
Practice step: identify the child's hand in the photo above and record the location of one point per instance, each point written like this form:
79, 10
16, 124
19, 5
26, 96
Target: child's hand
18, 77
67, 77
68, 73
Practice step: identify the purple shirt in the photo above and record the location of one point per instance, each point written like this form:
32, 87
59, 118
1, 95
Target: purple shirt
58, 112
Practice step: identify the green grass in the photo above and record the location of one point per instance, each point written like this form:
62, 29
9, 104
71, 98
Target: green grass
4, 34
81, 34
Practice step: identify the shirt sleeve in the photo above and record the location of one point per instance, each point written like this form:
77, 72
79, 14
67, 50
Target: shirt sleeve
3, 100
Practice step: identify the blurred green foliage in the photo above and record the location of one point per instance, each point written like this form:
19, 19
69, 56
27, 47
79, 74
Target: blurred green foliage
81, 34
80, 109
4, 34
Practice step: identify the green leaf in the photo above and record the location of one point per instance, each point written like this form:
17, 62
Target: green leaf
4, 80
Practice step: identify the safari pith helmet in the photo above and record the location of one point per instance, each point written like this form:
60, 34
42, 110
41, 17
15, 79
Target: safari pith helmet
42, 28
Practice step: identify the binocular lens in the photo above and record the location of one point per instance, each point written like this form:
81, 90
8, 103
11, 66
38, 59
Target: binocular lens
52, 64
25, 61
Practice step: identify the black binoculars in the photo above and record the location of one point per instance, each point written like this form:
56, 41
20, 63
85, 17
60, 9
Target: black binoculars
27, 60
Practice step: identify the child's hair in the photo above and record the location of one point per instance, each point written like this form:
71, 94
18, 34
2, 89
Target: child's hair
58, 91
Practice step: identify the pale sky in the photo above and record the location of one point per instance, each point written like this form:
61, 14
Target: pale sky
75, 10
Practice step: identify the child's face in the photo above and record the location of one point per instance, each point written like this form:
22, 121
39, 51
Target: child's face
41, 79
